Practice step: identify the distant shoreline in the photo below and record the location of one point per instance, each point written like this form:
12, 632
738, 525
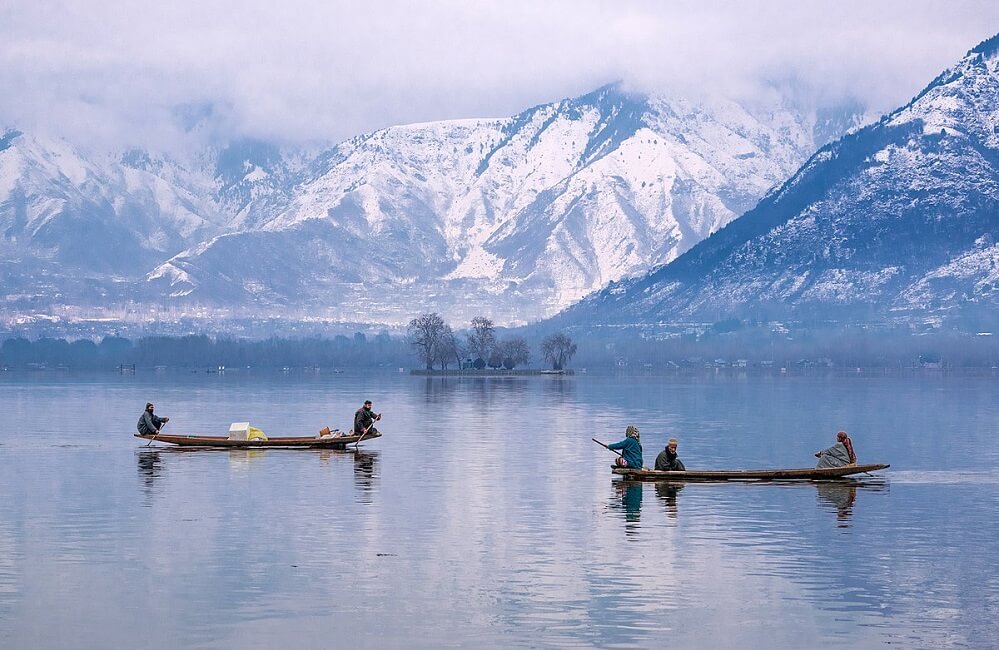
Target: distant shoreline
490, 373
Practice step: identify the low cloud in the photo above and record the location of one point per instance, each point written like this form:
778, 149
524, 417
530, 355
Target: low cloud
126, 73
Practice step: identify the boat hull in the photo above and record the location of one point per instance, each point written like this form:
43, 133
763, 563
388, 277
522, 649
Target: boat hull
309, 442
804, 474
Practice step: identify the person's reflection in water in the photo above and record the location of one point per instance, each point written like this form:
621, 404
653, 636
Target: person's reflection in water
365, 469
840, 496
150, 466
667, 492
630, 493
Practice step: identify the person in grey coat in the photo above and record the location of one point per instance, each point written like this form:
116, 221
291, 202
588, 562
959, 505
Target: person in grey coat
150, 423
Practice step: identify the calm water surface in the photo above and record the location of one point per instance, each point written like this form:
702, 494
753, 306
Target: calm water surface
485, 517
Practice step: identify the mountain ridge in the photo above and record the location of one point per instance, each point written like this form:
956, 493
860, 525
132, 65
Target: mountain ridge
516, 217
863, 223
510, 208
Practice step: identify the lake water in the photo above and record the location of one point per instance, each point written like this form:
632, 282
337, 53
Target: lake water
485, 516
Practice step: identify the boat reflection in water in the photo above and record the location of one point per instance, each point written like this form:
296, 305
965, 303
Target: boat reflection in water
152, 463
628, 500
835, 495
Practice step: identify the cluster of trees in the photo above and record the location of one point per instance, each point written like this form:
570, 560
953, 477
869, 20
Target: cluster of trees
433, 339
482, 346
843, 345
437, 344
359, 351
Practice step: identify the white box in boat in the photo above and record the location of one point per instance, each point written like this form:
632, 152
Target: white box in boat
239, 430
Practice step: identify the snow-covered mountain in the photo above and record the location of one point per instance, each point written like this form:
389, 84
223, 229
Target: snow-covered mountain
79, 230
512, 217
898, 218
82, 229
94, 215
515, 217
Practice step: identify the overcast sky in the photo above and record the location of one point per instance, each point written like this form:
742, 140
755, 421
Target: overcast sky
130, 72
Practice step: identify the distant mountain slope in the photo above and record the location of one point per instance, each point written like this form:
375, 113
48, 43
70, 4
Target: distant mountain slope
80, 230
517, 216
900, 217
92, 215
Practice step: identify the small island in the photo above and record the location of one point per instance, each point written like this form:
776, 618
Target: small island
480, 353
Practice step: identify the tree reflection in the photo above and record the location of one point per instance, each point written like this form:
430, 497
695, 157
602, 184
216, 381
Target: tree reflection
437, 389
559, 387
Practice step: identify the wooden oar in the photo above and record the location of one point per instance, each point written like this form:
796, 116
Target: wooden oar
607, 448
364, 433
156, 434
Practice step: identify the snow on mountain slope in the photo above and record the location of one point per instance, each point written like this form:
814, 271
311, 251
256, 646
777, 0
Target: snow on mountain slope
518, 216
94, 215
896, 218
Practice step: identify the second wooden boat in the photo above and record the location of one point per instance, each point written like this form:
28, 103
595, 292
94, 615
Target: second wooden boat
805, 474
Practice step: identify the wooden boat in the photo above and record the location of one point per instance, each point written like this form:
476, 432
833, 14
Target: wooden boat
805, 474
309, 442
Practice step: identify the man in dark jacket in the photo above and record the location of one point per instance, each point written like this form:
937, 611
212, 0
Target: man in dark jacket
149, 423
364, 420
667, 460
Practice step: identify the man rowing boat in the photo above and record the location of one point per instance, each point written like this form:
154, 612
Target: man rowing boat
149, 423
364, 420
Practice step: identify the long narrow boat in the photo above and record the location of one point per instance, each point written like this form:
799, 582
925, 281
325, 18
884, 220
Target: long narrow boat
805, 474
310, 442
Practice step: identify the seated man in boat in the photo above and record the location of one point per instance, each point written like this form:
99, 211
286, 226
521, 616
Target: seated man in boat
839, 454
667, 460
150, 423
631, 449
364, 420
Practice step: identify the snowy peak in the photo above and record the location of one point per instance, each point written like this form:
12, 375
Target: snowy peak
516, 217
524, 214
531, 212
962, 98
893, 218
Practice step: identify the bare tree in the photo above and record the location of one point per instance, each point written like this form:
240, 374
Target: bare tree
558, 349
448, 348
424, 333
515, 352
482, 338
